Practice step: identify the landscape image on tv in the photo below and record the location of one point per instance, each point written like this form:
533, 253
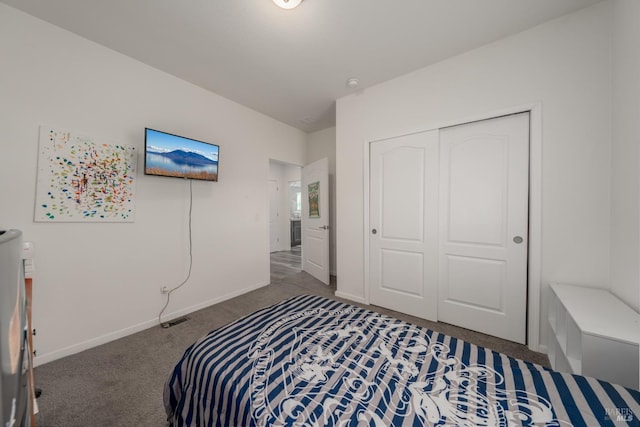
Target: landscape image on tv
180, 157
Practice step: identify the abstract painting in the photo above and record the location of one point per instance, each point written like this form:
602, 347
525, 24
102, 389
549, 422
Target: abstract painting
84, 178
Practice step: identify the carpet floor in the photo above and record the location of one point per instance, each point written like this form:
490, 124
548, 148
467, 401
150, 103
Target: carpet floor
120, 383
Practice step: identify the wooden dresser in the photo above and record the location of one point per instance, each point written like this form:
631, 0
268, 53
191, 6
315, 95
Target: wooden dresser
28, 284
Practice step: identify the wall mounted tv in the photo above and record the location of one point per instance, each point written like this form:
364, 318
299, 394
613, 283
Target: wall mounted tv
175, 156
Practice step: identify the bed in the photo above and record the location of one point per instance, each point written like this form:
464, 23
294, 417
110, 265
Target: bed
311, 361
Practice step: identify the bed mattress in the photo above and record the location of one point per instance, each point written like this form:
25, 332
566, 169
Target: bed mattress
313, 361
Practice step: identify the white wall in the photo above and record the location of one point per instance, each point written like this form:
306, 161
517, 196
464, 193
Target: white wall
96, 282
322, 144
565, 65
625, 197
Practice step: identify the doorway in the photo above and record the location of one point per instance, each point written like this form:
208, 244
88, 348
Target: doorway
285, 244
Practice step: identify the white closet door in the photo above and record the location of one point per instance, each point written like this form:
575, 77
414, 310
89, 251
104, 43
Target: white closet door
403, 215
484, 182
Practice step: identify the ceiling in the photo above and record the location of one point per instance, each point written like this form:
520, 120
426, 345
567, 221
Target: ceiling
293, 64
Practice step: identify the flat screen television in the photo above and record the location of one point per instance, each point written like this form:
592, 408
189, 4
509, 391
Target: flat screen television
176, 156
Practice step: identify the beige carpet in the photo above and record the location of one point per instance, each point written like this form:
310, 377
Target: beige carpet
120, 383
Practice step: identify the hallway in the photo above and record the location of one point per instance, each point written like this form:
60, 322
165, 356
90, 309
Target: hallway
286, 263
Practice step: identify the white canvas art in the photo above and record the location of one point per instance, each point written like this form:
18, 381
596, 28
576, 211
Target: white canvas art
83, 178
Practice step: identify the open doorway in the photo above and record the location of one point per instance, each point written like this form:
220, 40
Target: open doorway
285, 210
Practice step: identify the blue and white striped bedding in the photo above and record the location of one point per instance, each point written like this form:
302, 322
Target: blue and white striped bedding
317, 362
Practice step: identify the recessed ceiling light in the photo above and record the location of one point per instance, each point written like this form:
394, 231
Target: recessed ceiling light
287, 4
353, 83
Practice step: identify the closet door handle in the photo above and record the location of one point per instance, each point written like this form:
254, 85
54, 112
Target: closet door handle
518, 240
374, 231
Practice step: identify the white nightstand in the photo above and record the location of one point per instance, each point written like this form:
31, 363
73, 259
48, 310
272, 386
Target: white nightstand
594, 334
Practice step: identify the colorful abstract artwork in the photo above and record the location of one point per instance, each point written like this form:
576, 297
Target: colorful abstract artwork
84, 178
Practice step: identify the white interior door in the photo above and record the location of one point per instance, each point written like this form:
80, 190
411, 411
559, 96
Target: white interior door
484, 190
315, 220
403, 217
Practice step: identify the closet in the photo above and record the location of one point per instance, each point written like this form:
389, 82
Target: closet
448, 218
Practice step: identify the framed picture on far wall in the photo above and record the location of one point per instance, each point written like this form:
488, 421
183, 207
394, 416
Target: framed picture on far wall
314, 200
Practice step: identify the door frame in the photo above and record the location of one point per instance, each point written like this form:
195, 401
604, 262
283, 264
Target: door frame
534, 272
273, 222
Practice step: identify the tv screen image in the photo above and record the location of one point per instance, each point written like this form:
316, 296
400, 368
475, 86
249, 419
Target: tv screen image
180, 157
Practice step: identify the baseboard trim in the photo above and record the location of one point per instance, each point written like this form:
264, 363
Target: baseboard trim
350, 297
112, 336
